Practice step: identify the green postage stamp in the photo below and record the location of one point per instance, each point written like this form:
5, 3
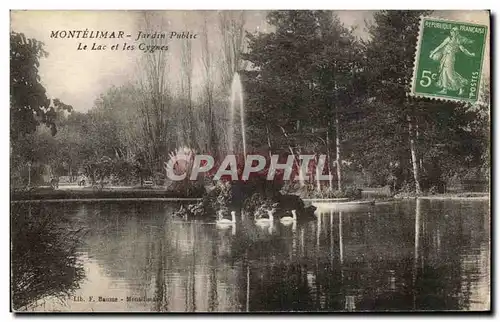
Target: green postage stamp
449, 59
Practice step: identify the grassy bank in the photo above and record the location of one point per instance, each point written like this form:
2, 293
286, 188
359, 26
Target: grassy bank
447, 196
458, 196
47, 194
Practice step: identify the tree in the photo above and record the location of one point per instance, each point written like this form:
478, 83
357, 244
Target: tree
279, 85
29, 108
29, 104
231, 27
415, 135
390, 59
155, 99
303, 82
208, 91
186, 93
338, 68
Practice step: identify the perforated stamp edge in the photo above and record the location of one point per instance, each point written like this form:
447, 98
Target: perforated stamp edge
413, 93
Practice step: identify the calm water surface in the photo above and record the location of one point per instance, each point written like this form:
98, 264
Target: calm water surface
411, 255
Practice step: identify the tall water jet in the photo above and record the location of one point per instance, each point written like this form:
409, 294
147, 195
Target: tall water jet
237, 108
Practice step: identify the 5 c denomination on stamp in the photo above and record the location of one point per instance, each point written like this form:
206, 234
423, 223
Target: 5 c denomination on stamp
449, 58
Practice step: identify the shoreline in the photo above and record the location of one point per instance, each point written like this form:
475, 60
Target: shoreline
444, 197
103, 199
142, 194
103, 195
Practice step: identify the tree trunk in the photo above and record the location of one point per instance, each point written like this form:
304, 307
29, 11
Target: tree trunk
337, 143
318, 183
301, 175
268, 141
299, 168
414, 156
419, 157
328, 156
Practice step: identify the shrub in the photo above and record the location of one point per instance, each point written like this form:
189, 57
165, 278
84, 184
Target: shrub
43, 252
327, 193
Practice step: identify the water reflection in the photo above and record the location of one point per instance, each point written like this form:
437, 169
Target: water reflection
415, 255
418, 214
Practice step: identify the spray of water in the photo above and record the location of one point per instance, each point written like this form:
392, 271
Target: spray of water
237, 107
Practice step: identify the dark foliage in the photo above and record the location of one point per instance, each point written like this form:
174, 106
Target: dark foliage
43, 256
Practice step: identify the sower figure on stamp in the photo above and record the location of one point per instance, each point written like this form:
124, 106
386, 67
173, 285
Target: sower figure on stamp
449, 79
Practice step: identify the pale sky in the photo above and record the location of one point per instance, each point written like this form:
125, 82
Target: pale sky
79, 77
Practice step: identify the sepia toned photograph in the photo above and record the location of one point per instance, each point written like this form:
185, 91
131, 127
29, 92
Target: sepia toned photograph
250, 161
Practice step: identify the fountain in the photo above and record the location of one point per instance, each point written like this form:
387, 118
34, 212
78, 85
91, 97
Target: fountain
237, 107
251, 195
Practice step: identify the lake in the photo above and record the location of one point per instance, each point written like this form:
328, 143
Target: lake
405, 255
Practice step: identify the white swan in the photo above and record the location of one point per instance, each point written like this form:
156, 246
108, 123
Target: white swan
224, 221
265, 221
288, 219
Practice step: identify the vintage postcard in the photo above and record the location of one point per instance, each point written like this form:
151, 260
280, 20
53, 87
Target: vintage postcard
250, 161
